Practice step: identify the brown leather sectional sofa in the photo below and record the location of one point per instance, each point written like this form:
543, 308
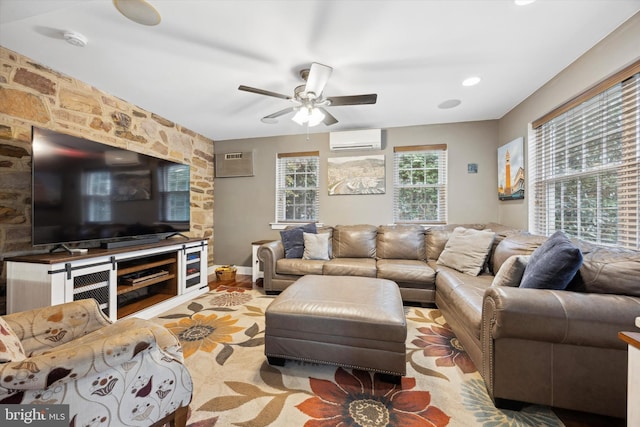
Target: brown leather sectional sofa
543, 346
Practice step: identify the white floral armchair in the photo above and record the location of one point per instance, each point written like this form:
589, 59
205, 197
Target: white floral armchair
127, 373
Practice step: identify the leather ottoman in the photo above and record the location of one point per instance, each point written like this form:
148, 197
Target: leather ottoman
355, 322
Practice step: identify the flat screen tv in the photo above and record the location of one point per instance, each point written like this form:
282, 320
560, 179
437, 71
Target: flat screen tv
86, 191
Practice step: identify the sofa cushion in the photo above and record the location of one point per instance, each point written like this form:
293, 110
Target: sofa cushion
10, 346
502, 232
365, 267
464, 296
510, 274
354, 241
609, 270
401, 242
467, 250
405, 271
436, 238
316, 246
517, 244
293, 240
299, 267
553, 264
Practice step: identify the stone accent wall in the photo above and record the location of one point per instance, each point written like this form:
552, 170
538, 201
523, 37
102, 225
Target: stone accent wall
32, 94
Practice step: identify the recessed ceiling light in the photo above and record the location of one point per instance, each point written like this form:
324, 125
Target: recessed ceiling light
449, 103
523, 2
138, 11
471, 81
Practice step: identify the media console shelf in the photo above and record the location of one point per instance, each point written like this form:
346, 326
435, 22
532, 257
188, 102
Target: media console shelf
139, 280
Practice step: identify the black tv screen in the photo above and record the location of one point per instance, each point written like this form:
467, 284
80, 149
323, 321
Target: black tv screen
84, 190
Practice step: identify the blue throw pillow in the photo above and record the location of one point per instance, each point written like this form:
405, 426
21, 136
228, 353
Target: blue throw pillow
293, 240
553, 264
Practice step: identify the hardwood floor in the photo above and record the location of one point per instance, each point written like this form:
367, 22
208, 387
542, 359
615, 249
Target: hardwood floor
569, 418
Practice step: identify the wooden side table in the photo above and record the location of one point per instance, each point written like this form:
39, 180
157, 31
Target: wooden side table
633, 378
256, 271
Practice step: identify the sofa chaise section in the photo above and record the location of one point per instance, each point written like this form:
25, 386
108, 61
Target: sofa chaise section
545, 346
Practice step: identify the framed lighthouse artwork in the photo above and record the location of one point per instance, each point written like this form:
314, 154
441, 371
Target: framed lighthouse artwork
511, 170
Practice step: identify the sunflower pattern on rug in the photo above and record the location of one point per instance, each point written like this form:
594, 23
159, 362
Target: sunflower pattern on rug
222, 334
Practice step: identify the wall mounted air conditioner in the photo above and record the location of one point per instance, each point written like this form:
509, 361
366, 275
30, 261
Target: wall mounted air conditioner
369, 139
230, 165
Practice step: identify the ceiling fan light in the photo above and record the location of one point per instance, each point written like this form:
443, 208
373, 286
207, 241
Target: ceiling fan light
316, 117
302, 116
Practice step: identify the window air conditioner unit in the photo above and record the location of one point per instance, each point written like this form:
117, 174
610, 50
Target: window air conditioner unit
230, 165
370, 139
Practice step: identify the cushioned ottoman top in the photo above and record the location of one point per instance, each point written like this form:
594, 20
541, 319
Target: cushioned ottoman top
348, 306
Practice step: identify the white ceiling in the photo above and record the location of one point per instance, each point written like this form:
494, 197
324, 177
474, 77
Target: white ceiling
413, 54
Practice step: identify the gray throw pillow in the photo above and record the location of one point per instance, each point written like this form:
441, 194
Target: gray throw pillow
316, 246
553, 264
293, 240
467, 250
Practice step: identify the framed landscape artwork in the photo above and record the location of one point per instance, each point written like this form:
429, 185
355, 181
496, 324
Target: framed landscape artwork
511, 170
356, 175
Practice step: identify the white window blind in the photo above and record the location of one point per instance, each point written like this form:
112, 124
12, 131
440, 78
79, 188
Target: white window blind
297, 187
420, 184
584, 162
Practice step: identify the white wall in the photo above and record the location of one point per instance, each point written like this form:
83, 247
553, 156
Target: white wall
244, 207
613, 53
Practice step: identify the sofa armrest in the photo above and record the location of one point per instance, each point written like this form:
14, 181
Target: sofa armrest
562, 317
269, 253
73, 362
45, 328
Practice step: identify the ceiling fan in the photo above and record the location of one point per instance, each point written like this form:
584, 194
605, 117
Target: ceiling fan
310, 102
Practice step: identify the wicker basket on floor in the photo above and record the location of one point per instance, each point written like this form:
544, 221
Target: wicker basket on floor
226, 273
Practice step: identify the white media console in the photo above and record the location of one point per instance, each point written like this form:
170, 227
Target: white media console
144, 280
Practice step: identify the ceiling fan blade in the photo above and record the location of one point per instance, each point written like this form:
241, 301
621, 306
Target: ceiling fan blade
280, 113
353, 99
271, 118
328, 118
262, 92
318, 77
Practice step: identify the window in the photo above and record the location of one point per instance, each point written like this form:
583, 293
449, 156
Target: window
584, 161
420, 184
97, 196
297, 192
175, 193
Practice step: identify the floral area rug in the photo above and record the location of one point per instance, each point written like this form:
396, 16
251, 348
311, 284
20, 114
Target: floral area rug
222, 334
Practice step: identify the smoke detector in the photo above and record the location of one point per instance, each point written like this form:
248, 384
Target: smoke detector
75, 38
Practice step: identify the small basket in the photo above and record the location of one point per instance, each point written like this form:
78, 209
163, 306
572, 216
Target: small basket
225, 273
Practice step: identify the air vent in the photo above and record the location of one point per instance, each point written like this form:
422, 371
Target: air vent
231, 165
